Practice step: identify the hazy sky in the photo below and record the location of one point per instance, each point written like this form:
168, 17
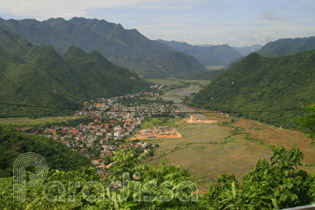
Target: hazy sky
235, 22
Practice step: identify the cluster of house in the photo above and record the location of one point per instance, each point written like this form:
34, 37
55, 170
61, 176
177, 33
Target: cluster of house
103, 104
111, 123
83, 136
112, 108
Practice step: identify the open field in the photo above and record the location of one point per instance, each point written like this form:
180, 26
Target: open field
174, 81
177, 95
205, 153
278, 136
208, 150
23, 121
213, 68
172, 133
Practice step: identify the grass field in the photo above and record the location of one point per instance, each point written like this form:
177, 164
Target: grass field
213, 68
174, 81
157, 122
21, 121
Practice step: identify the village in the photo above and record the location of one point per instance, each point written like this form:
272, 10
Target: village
104, 125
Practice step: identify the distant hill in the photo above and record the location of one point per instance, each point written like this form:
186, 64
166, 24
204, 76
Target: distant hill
209, 55
283, 47
14, 143
62, 81
257, 83
127, 48
248, 49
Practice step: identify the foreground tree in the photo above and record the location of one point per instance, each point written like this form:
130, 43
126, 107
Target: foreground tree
307, 122
279, 184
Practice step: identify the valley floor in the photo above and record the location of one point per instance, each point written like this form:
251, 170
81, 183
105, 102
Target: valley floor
208, 150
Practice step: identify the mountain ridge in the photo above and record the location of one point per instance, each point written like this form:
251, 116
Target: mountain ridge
288, 46
57, 80
210, 55
246, 50
257, 84
124, 47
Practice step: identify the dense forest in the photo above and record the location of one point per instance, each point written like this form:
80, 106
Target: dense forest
283, 47
39, 76
57, 155
255, 86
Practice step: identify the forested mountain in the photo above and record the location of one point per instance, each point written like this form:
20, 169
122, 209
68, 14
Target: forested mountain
58, 156
257, 84
42, 77
210, 55
248, 49
127, 48
284, 47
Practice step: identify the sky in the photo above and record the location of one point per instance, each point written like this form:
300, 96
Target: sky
233, 22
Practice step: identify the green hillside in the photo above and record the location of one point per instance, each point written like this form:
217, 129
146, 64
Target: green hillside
62, 81
213, 55
283, 47
58, 156
257, 83
127, 48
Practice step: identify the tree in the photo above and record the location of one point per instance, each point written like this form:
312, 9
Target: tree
267, 186
307, 122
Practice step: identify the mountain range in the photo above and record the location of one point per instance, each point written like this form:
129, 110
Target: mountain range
246, 50
127, 48
37, 74
255, 86
283, 47
208, 55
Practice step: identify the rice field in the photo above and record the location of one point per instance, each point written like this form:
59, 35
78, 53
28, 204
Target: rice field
214, 68
206, 152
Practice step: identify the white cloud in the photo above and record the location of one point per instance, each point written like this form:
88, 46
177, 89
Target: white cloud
261, 38
193, 40
271, 15
302, 1
192, 21
231, 38
43, 9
